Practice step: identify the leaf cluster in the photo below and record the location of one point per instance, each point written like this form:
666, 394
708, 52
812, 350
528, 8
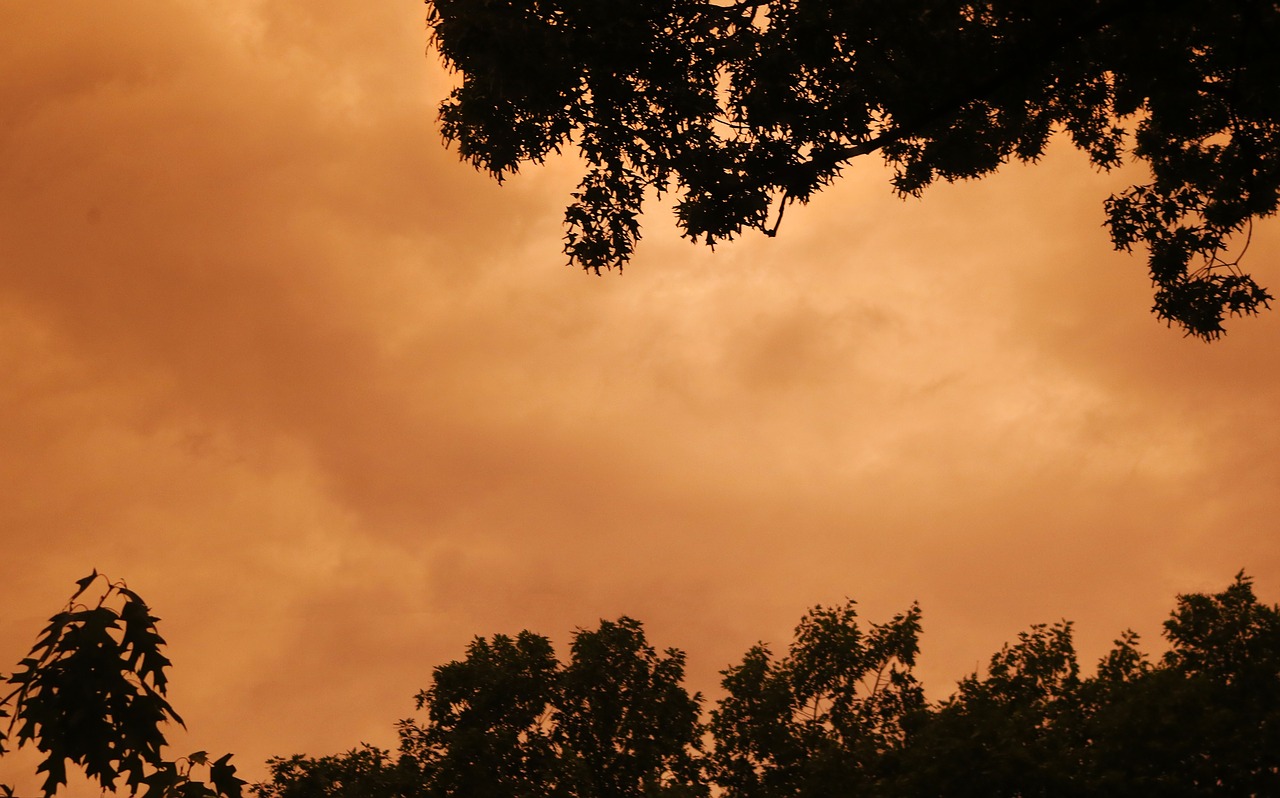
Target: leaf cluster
1203, 721
742, 107
511, 720
359, 773
91, 693
823, 714
841, 714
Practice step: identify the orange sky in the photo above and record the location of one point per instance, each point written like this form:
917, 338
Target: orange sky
331, 401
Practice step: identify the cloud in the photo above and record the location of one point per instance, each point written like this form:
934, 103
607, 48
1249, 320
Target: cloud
332, 403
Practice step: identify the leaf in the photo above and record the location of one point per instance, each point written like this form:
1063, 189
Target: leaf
83, 585
222, 774
162, 783
56, 767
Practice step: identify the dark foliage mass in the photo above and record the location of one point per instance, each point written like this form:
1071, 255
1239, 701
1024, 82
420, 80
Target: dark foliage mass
92, 693
742, 108
840, 714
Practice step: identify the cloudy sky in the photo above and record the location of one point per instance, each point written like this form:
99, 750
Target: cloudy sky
332, 402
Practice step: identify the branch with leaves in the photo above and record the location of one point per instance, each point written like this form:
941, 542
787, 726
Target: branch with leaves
742, 108
92, 693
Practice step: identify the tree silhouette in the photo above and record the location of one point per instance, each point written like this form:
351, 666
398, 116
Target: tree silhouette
1203, 721
742, 108
840, 714
1007, 734
92, 693
510, 720
819, 720
359, 773
1206, 720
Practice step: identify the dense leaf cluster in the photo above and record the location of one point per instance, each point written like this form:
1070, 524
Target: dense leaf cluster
823, 714
741, 107
92, 693
840, 715
511, 721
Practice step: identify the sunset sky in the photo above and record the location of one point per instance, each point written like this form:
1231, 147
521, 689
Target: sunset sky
332, 402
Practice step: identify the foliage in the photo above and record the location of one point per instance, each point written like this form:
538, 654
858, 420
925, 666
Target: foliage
92, 692
510, 720
742, 107
1206, 721
1005, 734
488, 728
624, 724
841, 714
359, 773
820, 719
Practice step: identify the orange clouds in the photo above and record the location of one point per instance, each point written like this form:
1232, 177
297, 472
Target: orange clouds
331, 401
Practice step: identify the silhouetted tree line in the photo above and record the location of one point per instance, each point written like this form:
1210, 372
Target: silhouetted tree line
839, 713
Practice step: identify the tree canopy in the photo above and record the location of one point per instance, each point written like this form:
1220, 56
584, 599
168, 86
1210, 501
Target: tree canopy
840, 714
741, 108
510, 721
824, 714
